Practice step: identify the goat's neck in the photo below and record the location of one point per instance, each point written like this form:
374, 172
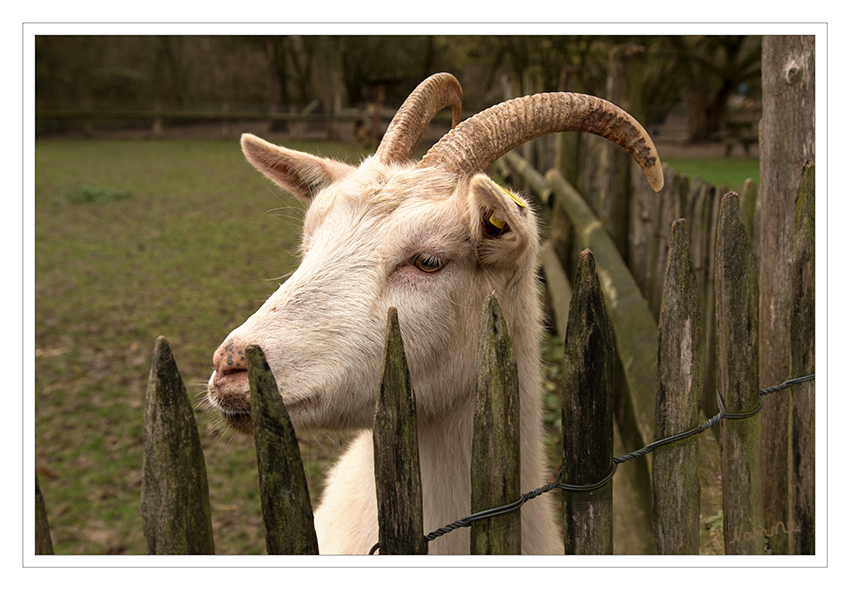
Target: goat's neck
347, 520
445, 453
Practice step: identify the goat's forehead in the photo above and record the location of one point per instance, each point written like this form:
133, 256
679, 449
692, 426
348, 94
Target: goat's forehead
377, 193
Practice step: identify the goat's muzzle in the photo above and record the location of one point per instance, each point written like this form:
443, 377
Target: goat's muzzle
228, 388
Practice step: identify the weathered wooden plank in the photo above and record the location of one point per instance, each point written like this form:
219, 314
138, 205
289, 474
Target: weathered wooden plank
674, 194
495, 438
699, 229
398, 482
786, 142
802, 540
681, 358
644, 207
749, 198
175, 494
587, 417
634, 328
284, 497
43, 542
709, 397
558, 286
736, 284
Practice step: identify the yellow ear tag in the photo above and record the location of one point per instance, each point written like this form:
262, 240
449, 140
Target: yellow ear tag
500, 223
513, 197
495, 221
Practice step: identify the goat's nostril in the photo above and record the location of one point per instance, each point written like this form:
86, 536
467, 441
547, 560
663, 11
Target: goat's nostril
229, 361
231, 376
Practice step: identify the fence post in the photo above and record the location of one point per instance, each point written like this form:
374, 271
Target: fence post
43, 542
669, 211
643, 233
802, 540
681, 360
285, 500
633, 326
496, 436
786, 142
737, 300
711, 220
175, 494
587, 417
398, 483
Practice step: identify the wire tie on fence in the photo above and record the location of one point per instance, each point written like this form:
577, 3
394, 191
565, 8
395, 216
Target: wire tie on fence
742, 415
587, 487
762, 393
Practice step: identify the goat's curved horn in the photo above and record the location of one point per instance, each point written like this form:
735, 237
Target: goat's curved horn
481, 140
408, 125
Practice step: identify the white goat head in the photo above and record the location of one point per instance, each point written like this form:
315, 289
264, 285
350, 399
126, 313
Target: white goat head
431, 238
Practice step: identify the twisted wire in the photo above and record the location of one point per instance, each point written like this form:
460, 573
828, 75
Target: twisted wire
721, 414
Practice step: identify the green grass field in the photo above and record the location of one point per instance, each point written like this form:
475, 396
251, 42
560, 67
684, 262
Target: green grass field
728, 172
140, 239
135, 240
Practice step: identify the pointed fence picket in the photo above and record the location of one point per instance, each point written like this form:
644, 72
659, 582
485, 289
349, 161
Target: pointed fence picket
398, 483
587, 417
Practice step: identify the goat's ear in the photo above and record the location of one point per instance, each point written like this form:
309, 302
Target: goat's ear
304, 175
505, 226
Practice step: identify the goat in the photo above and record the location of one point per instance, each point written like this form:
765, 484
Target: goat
431, 238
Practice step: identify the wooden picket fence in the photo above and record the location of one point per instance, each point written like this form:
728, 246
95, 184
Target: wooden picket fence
663, 368
690, 259
175, 500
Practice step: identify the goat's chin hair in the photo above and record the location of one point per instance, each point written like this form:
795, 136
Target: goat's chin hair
219, 428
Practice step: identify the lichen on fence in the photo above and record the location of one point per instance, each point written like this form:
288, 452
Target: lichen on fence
175, 495
285, 499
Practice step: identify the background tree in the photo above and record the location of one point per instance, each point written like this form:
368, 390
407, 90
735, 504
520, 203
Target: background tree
712, 68
289, 72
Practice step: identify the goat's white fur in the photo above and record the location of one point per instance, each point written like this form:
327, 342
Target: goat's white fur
323, 331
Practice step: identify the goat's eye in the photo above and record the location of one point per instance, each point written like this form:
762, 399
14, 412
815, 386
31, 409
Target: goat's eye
427, 262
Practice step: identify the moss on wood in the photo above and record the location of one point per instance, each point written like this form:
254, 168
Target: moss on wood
398, 483
175, 494
496, 438
737, 317
285, 500
802, 539
681, 358
587, 417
